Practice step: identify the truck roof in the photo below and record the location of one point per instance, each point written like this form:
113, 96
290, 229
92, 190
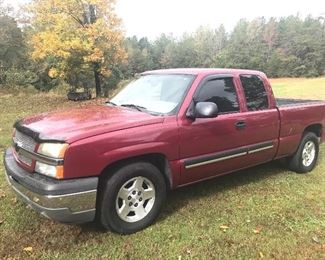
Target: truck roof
203, 71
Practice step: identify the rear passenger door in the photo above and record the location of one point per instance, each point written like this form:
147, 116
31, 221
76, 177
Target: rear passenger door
261, 119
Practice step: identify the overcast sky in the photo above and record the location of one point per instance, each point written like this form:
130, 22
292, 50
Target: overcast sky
152, 17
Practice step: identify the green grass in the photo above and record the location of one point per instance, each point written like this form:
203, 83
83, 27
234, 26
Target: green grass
270, 211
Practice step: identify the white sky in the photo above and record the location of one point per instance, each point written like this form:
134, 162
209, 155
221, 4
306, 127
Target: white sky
152, 17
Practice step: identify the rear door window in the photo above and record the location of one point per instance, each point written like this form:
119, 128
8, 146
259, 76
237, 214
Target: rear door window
255, 93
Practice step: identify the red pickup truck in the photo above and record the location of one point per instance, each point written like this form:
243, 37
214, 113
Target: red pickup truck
164, 130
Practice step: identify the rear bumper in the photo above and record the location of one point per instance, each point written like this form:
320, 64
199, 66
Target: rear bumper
68, 201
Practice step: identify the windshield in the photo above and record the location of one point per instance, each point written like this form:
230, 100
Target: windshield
154, 93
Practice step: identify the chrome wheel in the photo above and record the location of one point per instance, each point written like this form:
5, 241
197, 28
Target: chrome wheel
308, 153
135, 199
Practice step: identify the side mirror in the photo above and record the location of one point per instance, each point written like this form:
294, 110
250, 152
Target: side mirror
206, 110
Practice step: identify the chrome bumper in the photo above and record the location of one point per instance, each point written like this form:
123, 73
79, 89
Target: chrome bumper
53, 201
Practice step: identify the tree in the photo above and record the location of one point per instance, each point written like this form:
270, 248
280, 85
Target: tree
161, 49
78, 36
139, 55
12, 45
236, 53
183, 53
11, 42
206, 46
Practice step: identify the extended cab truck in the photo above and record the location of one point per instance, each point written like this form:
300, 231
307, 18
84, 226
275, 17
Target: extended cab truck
167, 129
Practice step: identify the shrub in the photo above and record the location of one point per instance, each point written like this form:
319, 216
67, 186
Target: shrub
15, 77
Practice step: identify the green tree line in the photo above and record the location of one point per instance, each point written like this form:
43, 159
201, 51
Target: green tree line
281, 47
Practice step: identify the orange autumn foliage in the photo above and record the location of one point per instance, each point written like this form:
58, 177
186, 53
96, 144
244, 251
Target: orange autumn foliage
62, 30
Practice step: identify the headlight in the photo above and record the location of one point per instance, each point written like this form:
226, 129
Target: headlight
55, 150
49, 170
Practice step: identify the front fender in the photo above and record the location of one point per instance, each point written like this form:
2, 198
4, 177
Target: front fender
89, 157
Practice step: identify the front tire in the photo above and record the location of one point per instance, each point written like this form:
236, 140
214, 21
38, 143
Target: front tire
305, 158
132, 198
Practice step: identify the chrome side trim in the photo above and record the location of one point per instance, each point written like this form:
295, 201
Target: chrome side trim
39, 157
230, 154
215, 160
260, 149
75, 202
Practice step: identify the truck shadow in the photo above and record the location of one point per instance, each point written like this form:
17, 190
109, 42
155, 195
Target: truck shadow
181, 197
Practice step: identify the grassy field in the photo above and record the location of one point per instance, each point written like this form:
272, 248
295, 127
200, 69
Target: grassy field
263, 212
299, 88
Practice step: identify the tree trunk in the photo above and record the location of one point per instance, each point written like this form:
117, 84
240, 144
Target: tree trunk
97, 79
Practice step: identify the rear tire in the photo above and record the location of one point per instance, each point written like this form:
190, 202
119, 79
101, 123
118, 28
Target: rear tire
131, 198
305, 158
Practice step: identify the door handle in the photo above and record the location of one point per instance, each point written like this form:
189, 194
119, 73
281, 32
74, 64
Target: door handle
240, 124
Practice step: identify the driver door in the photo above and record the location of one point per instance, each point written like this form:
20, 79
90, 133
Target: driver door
212, 146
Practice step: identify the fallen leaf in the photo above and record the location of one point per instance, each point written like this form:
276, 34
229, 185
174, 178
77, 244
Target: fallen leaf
316, 240
257, 230
261, 255
28, 249
224, 228
188, 251
35, 199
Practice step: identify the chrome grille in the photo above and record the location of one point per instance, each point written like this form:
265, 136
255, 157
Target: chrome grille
24, 141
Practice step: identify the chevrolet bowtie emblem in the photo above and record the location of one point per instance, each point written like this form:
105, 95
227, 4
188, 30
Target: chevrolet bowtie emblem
18, 145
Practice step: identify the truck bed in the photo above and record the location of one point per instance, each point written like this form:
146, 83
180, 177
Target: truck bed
281, 102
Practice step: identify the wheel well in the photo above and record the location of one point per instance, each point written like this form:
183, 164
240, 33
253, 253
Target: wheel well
316, 129
158, 160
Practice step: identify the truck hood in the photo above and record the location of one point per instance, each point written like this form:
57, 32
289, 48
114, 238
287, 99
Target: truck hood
75, 124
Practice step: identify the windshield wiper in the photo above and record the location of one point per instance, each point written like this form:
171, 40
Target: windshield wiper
139, 108
110, 103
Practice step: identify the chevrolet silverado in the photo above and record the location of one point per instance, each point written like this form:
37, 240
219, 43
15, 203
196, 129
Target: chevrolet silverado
166, 129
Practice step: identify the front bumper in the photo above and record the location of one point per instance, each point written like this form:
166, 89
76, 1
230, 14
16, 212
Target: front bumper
68, 201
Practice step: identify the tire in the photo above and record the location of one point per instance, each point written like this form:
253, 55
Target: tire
305, 158
131, 198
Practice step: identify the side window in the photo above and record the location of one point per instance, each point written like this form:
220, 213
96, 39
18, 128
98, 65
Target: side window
221, 92
255, 93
